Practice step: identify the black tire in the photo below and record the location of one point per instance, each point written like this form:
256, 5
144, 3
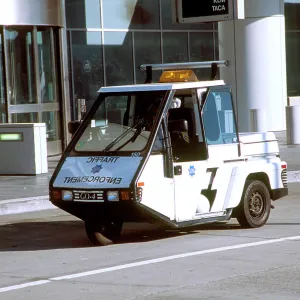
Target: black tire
103, 234
255, 206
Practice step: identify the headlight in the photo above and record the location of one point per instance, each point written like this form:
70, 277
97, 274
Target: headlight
112, 196
67, 195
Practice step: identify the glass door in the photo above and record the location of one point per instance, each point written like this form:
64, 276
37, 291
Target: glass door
32, 57
22, 98
48, 72
3, 115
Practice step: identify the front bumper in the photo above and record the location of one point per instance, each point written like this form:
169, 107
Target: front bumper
127, 211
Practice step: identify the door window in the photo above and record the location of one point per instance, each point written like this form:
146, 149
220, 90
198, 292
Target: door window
47, 67
2, 87
185, 129
21, 66
218, 118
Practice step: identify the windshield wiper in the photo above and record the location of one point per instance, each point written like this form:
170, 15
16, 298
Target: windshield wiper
139, 125
133, 138
114, 142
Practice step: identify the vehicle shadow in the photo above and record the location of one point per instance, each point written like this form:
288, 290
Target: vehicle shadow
32, 236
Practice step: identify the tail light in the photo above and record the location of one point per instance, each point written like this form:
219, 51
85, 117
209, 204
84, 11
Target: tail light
284, 177
125, 195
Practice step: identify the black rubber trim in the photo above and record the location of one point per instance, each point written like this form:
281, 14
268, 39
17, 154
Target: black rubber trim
235, 160
279, 193
159, 218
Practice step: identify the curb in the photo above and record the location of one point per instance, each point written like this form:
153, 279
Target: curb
23, 205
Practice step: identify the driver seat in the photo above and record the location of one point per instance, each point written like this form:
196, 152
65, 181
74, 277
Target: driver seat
184, 113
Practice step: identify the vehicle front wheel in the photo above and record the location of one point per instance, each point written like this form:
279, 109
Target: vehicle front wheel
255, 206
103, 234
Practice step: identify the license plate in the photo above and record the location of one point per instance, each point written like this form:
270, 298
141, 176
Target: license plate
88, 196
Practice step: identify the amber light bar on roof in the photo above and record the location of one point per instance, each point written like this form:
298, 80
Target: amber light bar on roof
214, 65
178, 76
187, 65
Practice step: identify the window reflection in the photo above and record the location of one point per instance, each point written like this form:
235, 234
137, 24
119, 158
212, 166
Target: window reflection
46, 64
134, 14
87, 65
2, 87
118, 53
20, 64
216, 45
218, 119
147, 51
2, 118
292, 15
202, 49
51, 118
175, 47
293, 62
122, 123
83, 13
24, 118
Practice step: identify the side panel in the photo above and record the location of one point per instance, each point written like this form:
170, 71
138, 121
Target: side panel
223, 152
221, 183
188, 186
271, 167
158, 191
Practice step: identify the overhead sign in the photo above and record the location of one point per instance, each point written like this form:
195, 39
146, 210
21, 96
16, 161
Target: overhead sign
204, 11
204, 8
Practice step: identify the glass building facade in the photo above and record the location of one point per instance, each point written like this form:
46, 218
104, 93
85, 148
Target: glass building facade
50, 62
31, 66
110, 39
29, 91
292, 25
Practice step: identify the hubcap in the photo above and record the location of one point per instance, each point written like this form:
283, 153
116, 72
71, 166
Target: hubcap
257, 205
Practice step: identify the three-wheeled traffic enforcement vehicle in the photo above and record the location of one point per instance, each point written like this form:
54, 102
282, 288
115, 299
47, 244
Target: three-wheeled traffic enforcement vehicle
167, 153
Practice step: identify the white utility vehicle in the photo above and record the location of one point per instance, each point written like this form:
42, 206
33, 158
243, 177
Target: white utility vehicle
167, 153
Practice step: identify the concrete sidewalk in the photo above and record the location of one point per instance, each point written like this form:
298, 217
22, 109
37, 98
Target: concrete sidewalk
26, 193
30, 193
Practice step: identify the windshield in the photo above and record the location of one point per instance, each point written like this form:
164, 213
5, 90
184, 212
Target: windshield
122, 122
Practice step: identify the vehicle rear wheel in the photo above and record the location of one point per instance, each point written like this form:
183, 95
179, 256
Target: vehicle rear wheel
103, 234
255, 206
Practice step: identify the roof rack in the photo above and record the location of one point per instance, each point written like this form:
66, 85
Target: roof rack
188, 65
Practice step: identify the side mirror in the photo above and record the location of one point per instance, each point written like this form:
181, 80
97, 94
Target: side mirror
178, 125
73, 126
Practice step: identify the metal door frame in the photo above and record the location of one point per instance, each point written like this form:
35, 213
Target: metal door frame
57, 53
